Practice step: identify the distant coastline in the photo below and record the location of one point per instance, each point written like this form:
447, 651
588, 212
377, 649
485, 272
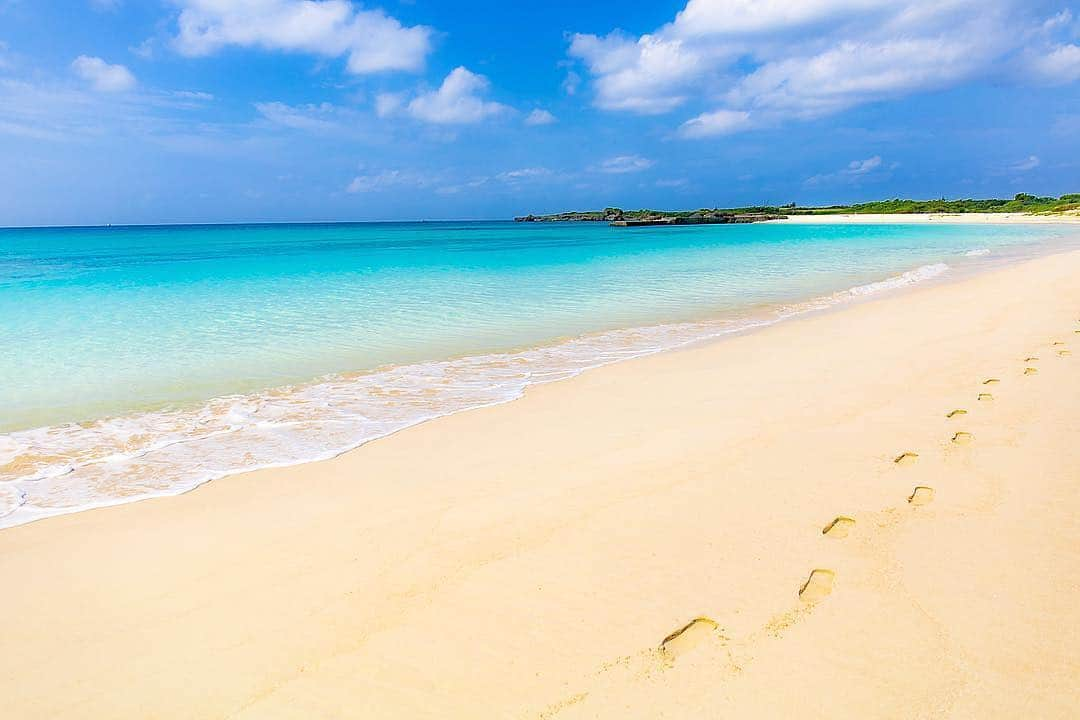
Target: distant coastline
649, 218
1020, 203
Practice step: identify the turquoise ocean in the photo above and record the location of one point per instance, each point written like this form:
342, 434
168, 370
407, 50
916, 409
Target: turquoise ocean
143, 361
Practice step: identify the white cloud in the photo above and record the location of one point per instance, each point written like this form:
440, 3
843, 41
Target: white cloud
1062, 19
540, 117
511, 180
103, 76
144, 50
386, 180
742, 17
718, 122
63, 112
1058, 66
370, 39
855, 73
387, 104
642, 75
195, 95
1029, 163
624, 164
462, 187
457, 101
571, 83
531, 173
761, 62
855, 171
299, 117
861, 167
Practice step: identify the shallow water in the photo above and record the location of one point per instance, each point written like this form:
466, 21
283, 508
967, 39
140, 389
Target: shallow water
143, 361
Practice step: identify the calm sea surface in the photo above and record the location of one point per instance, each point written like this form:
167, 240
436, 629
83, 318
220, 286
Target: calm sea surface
142, 361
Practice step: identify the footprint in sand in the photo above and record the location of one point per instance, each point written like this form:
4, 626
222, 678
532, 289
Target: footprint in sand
991, 381
921, 495
817, 586
962, 438
1031, 359
1057, 343
985, 397
1031, 371
689, 636
906, 458
956, 413
840, 526
1064, 353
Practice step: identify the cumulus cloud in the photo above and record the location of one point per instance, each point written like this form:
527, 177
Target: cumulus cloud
101, 75
1058, 66
745, 17
370, 39
540, 117
637, 75
622, 164
761, 62
458, 100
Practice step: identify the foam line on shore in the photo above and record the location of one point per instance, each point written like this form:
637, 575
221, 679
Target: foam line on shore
73, 467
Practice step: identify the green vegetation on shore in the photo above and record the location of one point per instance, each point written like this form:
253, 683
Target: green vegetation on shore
1021, 203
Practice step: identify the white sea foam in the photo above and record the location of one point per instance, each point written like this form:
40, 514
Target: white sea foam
978, 252
926, 272
66, 468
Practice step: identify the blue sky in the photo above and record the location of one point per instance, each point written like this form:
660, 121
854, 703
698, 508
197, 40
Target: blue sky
230, 110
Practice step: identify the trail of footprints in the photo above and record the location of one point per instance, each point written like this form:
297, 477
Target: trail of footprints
819, 583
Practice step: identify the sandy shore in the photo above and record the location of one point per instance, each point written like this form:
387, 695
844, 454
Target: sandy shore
961, 218
528, 560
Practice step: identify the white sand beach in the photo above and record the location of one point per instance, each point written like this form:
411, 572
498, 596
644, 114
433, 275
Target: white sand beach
959, 218
528, 560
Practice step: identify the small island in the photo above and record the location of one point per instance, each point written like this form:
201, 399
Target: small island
617, 217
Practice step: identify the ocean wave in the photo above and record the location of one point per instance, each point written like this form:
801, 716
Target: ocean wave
919, 274
76, 466
926, 272
977, 252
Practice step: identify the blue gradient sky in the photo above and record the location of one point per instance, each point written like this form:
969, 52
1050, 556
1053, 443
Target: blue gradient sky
229, 110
